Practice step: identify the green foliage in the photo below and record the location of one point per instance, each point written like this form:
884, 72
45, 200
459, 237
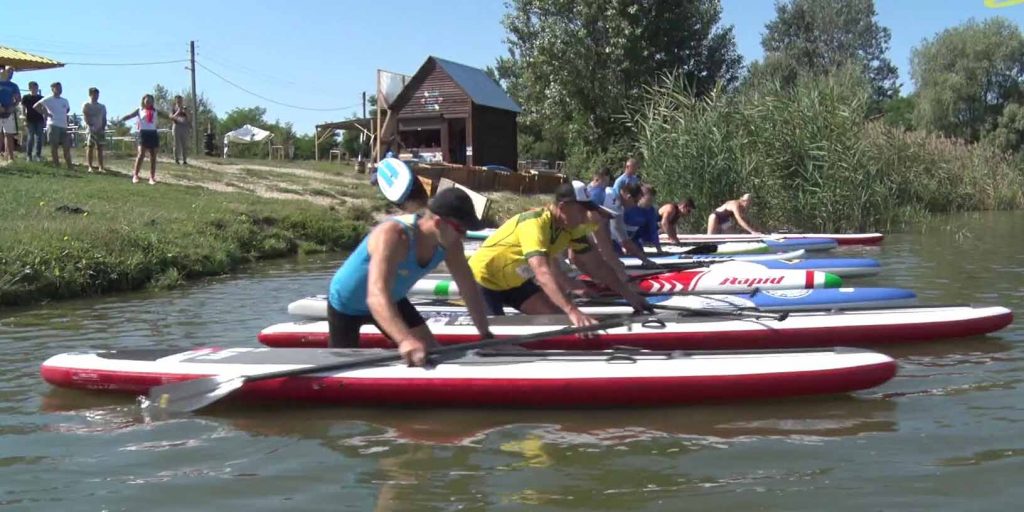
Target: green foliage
284, 134
574, 65
966, 76
809, 157
351, 145
127, 238
899, 112
1008, 134
818, 36
206, 118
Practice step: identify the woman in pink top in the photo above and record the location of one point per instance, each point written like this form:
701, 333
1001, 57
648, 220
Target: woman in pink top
149, 139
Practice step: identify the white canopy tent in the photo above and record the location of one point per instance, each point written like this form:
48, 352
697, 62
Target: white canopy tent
247, 134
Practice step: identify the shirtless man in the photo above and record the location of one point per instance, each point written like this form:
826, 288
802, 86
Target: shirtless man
670, 214
732, 211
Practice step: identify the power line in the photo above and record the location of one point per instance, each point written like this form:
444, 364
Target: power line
264, 98
126, 63
220, 61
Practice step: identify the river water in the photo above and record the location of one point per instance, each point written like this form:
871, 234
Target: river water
947, 433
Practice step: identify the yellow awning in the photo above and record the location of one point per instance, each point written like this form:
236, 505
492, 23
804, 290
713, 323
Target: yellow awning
23, 61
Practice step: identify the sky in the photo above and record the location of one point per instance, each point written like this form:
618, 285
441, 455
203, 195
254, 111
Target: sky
321, 55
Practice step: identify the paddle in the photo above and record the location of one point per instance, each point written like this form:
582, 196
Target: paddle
724, 312
696, 249
195, 394
701, 311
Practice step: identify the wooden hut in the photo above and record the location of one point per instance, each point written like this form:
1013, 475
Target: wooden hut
450, 112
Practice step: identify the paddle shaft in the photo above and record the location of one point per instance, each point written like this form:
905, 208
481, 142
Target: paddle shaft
447, 349
707, 312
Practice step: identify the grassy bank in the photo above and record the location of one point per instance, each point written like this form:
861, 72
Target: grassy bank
66, 234
811, 159
69, 233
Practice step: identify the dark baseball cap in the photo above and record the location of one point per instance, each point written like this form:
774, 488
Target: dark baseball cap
576, 191
455, 204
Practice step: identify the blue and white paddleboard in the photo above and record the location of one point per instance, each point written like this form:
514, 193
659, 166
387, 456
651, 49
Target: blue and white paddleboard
394, 179
841, 298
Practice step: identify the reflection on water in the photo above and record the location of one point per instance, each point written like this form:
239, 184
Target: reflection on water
805, 418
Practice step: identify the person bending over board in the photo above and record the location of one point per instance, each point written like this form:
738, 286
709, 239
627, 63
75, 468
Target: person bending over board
619, 202
671, 213
372, 283
734, 211
517, 266
642, 220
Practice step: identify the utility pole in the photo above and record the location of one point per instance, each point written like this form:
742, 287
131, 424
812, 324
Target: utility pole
362, 133
195, 99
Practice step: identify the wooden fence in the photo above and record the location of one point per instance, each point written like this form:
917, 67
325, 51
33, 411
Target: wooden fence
483, 180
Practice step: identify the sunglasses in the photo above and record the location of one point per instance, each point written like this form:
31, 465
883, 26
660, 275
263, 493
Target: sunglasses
459, 228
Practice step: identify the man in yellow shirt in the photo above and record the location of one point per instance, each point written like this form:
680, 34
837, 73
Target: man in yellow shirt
518, 265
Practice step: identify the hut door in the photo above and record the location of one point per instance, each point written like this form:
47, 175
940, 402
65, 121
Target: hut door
457, 140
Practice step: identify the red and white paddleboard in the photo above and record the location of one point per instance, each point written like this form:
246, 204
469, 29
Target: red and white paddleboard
841, 239
867, 327
714, 279
736, 279
489, 379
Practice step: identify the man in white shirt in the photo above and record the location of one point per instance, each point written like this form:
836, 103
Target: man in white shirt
55, 109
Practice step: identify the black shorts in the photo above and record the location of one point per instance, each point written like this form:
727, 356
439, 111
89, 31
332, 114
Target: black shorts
515, 297
149, 139
344, 329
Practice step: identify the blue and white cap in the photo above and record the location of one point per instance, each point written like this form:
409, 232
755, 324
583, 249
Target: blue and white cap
576, 191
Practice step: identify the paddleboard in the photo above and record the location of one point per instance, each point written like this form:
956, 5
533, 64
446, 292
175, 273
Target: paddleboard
622, 378
768, 300
842, 267
840, 238
676, 331
723, 279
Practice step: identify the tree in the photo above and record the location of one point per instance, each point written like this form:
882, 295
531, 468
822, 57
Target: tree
966, 76
819, 36
576, 65
206, 118
899, 112
1008, 134
238, 117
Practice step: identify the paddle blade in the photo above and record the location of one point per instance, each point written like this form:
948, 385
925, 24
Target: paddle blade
701, 249
192, 394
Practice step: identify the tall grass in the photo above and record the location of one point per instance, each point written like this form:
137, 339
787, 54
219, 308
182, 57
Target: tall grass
810, 158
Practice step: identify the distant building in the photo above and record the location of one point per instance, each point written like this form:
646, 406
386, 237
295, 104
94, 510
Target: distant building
454, 113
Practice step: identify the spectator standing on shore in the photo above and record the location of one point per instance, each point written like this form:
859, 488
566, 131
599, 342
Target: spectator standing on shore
55, 109
180, 128
34, 123
95, 114
149, 139
10, 96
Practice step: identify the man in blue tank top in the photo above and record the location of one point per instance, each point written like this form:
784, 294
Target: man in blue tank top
372, 284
